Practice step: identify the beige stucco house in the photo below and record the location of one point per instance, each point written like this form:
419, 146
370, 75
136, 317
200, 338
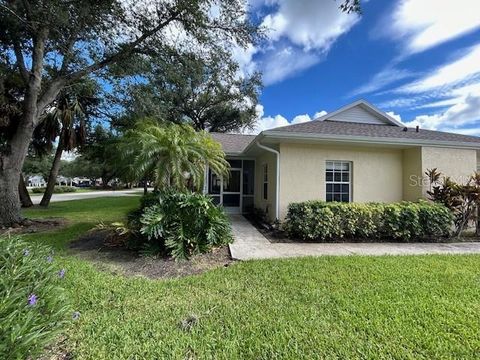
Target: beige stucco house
357, 153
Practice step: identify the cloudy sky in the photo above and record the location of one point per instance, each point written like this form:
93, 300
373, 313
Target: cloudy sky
419, 60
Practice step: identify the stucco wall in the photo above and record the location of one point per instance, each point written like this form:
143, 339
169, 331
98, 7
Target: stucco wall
269, 204
458, 164
377, 173
412, 174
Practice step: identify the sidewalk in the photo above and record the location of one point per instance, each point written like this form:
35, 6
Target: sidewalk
250, 244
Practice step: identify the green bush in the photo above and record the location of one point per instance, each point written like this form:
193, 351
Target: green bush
33, 305
56, 189
405, 221
182, 224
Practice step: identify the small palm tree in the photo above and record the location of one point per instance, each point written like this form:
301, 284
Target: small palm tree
175, 154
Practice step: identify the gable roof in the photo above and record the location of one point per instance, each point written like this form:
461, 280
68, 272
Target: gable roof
360, 111
350, 131
233, 144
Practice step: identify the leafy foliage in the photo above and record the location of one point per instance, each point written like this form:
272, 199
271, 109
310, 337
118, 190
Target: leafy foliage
405, 221
184, 223
461, 199
33, 305
175, 154
205, 92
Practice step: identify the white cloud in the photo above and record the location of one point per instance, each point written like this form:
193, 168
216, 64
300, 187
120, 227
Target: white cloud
395, 116
463, 113
309, 24
299, 34
281, 64
244, 59
447, 85
270, 122
319, 114
426, 23
383, 78
463, 69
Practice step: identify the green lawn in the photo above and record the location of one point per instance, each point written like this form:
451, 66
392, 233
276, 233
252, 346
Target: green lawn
313, 308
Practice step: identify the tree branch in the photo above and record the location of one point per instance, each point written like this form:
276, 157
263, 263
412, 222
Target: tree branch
21, 62
55, 86
126, 50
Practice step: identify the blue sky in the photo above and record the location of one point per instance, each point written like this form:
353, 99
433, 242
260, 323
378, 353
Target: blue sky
416, 59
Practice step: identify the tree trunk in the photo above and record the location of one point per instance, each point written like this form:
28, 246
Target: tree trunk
52, 178
23, 192
145, 187
9, 199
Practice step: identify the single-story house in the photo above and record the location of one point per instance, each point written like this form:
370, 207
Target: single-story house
357, 153
36, 181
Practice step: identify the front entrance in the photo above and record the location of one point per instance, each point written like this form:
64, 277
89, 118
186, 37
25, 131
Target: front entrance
236, 193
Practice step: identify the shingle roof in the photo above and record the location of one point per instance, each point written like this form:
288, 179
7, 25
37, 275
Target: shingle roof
329, 127
233, 143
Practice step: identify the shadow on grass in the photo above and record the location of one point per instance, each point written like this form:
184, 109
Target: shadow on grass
60, 238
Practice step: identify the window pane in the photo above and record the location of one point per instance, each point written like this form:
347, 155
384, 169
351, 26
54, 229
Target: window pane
216, 200
235, 163
344, 166
214, 183
248, 177
231, 200
337, 177
265, 172
265, 191
233, 182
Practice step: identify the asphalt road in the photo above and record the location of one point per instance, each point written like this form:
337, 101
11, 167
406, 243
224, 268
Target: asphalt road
88, 195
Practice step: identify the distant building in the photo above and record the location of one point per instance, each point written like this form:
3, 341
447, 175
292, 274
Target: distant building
36, 181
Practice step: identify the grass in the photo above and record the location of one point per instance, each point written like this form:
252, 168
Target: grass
82, 215
329, 307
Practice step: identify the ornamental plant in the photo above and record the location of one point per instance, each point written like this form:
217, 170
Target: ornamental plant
182, 223
404, 221
33, 305
463, 200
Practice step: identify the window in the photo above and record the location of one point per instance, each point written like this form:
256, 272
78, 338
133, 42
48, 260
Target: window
338, 181
265, 181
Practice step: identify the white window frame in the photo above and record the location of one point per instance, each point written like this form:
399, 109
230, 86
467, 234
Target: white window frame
265, 181
339, 163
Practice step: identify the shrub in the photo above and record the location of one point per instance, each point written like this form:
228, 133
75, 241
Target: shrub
183, 223
56, 190
405, 221
33, 306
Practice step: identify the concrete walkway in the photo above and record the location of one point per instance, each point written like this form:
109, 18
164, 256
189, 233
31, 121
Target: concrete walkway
87, 195
249, 244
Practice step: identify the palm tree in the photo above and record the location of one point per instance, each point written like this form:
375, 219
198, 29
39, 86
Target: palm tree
175, 154
67, 122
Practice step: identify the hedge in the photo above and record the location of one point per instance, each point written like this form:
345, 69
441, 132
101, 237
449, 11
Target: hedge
404, 221
56, 189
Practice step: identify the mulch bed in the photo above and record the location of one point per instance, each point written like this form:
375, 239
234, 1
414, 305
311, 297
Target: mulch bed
29, 226
118, 260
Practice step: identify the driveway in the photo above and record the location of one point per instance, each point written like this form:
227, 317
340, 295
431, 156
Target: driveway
88, 195
249, 244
